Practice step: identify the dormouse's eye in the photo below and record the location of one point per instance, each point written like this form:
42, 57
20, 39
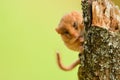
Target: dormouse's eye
75, 25
66, 32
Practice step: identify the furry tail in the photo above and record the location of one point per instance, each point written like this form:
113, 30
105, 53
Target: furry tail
66, 68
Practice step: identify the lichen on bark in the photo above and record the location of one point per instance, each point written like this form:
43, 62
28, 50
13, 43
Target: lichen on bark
101, 57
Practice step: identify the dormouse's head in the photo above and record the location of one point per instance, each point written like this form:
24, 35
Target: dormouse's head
71, 30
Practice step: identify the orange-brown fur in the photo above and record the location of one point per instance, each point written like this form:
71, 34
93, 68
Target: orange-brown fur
71, 29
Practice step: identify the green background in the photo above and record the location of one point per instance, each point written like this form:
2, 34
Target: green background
28, 41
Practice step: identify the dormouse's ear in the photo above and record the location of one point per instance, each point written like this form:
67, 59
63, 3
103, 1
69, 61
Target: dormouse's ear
57, 30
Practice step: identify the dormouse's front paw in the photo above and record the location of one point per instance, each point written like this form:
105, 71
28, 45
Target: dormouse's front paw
81, 39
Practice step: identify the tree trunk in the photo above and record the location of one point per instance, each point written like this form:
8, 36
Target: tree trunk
101, 57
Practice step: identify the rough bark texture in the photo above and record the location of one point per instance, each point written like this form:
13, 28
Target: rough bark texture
101, 57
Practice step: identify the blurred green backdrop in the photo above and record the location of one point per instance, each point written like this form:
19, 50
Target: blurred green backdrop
28, 40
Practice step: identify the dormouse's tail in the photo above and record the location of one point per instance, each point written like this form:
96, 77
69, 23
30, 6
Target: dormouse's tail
66, 68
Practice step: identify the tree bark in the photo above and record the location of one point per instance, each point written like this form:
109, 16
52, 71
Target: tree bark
101, 57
